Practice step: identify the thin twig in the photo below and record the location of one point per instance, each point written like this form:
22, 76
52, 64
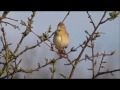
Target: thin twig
45, 40
6, 52
28, 29
11, 19
97, 55
19, 44
62, 75
53, 71
14, 26
89, 16
92, 47
25, 71
101, 62
66, 16
106, 72
105, 20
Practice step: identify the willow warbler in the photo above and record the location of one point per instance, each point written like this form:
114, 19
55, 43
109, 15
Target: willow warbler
61, 37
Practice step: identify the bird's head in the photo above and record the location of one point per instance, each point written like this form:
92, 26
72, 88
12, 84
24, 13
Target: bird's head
61, 27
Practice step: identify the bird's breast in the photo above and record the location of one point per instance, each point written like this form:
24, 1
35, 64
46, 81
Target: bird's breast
57, 39
61, 40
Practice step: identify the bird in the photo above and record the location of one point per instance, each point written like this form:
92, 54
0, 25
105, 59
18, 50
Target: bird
61, 37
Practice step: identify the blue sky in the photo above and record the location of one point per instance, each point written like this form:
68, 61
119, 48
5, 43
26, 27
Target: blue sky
76, 23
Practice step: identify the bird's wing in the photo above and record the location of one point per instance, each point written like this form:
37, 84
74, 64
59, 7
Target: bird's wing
68, 34
68, 37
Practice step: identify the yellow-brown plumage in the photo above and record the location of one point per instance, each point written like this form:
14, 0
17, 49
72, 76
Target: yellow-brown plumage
61, 37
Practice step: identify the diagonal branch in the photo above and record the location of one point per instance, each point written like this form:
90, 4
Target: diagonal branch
66, 16
101, 73
78, 59
89, 16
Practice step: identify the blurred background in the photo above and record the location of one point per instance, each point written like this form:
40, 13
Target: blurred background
76, 23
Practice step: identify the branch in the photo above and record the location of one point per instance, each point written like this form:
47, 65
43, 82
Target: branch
28, 29
11, 19
89, 58
66, 16
101, 73
93, 64
26, 49
105, 20
45, 40
39, 67
78, 59
63, 76
5, 13
101, 62
89, 16
14, 26
74, 49
6, 52
19, 44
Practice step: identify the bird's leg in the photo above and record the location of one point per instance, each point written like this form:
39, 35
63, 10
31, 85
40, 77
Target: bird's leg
62, 52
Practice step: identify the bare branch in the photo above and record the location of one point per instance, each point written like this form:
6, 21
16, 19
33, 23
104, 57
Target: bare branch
66, 16
78, 59
93, 64
101, 62
97, 55
106, 72
89, 16
62, 75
